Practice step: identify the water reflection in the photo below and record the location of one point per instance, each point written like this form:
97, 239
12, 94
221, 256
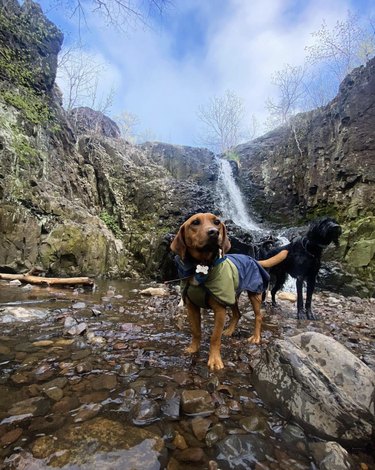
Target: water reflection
120, 393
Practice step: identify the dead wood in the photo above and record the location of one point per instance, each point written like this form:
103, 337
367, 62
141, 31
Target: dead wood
49, 281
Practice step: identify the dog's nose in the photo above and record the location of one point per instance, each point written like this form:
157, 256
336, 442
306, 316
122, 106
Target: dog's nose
213, 233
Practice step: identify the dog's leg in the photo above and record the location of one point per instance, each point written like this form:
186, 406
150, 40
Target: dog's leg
309, 293
214, 360
256, 301
194, 315
236, 315
300, 311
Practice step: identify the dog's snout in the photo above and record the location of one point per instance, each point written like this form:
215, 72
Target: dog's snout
213, 232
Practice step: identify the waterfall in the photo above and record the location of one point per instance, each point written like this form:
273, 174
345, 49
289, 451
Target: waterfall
232, 206
231, 202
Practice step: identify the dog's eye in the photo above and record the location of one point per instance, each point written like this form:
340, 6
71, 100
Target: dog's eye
217, 222
196, 222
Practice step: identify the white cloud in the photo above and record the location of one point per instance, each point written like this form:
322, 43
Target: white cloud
244, 42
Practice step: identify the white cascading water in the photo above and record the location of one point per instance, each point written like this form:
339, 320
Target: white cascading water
232, 207
231, 203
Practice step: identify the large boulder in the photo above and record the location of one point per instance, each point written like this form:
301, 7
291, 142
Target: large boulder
320, 384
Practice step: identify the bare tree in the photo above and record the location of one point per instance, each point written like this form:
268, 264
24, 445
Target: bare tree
116, 13
223, 121
333, 55
79, 74
291, 88
128, 123
344, 47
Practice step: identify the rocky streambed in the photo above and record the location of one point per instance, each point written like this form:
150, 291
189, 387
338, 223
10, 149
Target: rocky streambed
99, 380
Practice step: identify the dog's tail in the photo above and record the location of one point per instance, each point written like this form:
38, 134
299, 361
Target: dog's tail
277, 259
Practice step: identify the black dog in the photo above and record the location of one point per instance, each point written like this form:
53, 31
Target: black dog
303, 261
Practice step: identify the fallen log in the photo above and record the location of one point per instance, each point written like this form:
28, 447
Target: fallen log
49, 281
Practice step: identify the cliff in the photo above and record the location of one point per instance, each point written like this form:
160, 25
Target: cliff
74, 197
322, 163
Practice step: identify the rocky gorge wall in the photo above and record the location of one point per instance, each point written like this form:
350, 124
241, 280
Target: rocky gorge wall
74, 197
322, 163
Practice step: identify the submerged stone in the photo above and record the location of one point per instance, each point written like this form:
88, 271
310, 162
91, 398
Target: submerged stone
116, 446
197, 403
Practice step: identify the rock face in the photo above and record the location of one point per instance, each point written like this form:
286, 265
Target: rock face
320, 384
86, 120
75, 198
322, 164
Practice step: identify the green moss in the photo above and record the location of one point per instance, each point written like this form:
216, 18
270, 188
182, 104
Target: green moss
232, 155
22, 148
33, 106
111, 223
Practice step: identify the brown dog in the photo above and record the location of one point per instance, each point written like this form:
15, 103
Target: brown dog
210, 279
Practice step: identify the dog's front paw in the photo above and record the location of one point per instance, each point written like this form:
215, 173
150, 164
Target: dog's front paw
255, 339
215, 362
301, 315
311, 316
193, 348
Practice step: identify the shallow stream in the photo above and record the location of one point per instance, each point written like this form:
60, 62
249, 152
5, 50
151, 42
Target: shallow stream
100, 380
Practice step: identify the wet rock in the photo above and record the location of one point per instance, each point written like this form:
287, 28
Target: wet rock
59, 382
94, 397
103, 382
200, 427
43, 372
79, 305
192, 454
87, 411
171, 407
47, 423
55, 393
96, 312
243, 452
179, 442
145, 412
76, 330
15, 283
155, 291
65, 405
21, 314
197, 402
69, 322
214, 435
321, 384
78, 355
294, 438
11, 436
222, 412
255, 423
84, 367
331, 456
95, 340
42, 343
36, 406
21, 377
116, 446
64, 342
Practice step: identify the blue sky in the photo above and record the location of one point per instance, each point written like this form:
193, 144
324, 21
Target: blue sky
197, 49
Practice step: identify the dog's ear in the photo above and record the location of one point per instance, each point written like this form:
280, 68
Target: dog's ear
178, 244
225, 244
